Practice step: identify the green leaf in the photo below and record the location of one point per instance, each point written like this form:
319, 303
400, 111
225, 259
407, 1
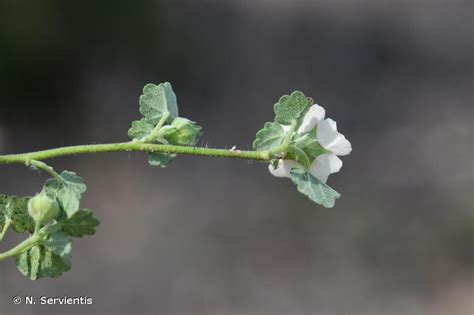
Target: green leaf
41, 262
73, 181
160, 159
69, 200
292, 107
161, 124
82, 223
29, 262
68, 192
60, 244
182, 131
157, 99
154, 102
272, 135
16, 208
49, 259
314, 189
140, 129
5, 210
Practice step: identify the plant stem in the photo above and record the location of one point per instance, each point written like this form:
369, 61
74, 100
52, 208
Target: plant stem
23, 246
44, 167
37, 237
37, 227
7, 224
132, 146
8, 221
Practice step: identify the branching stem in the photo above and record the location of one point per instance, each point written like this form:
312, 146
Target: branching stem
35, 159
36, 238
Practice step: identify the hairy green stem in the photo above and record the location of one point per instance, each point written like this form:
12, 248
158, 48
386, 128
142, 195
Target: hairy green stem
133, 146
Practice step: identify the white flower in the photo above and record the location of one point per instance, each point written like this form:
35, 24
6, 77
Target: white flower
328, 137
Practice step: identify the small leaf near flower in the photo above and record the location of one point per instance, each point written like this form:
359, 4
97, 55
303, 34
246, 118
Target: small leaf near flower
272, 135
292, 107
313, 188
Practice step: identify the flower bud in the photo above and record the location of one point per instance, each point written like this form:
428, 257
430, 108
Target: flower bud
42, 208
183, 132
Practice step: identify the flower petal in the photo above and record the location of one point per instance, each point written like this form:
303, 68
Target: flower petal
340, 145
328, 136
315, 114
327, 132
283, 168
324, 165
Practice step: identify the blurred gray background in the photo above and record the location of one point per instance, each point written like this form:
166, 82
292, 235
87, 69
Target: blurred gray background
212, 236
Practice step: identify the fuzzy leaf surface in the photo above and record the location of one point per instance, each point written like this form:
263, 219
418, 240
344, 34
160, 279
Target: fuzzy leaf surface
269, 137
292, 107
314, 189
